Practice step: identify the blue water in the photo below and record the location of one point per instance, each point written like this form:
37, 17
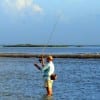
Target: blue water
38, 50
78, 79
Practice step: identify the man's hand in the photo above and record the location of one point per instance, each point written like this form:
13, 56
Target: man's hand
41, 60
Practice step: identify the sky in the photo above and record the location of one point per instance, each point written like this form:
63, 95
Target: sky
68, 22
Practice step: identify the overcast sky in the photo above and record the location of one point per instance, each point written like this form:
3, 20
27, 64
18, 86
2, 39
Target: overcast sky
50, 21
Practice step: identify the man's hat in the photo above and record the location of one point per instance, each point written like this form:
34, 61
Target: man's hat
50, 57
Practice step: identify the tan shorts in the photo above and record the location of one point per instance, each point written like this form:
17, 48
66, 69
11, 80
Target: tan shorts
48, 83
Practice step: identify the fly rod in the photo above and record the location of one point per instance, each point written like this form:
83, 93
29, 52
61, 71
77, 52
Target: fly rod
50, 36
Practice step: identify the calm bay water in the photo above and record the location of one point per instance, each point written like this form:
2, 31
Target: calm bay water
37, 50
78, 79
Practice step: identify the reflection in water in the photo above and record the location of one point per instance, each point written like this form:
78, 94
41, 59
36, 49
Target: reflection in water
45, 97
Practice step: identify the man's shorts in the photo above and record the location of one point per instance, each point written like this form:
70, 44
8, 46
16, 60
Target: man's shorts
48, 83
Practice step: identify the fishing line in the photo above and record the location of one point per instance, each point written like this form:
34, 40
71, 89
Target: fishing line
51, 35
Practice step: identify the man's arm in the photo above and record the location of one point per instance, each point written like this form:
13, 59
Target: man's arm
46, 67
37, 66
41, 60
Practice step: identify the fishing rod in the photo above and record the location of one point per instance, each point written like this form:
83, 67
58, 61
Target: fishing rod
50, 36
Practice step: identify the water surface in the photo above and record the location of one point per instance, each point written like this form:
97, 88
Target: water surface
78, 79
51, 50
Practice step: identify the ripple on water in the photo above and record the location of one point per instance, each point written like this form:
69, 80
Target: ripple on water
78, 79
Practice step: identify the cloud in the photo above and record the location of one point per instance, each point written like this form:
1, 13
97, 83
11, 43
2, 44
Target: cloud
22, 6
36, 8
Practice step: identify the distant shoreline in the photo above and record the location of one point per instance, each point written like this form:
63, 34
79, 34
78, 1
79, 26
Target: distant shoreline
43, 45
24, 55
31, 45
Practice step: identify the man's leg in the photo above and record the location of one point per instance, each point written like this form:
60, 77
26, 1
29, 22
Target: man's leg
49, 87
49, 91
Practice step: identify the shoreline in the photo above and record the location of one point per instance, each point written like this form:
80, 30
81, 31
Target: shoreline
25, 55
50, 45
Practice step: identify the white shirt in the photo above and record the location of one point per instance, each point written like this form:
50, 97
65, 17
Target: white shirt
47, 70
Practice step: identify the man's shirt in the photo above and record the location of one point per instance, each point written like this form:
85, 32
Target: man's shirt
47, 70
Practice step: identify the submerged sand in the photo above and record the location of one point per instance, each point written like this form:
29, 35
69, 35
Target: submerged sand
25, 55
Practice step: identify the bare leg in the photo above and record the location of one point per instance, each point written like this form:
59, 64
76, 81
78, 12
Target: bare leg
49, 91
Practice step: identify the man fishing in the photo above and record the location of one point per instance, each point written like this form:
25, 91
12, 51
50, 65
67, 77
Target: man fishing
47, 70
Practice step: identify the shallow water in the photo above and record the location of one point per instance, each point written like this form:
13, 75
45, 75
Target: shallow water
78, 79
50, 50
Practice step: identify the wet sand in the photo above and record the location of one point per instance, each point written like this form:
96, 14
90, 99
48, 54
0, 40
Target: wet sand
25, 55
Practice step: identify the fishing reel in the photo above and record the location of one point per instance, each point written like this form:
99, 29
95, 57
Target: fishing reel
41, 59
